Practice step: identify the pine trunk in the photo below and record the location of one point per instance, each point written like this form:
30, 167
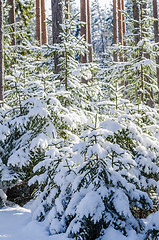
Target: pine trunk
120, 25
89, 31
1, 56
38, 21
115, 38
136, 22
156, 33
57, 19
123, 21
43, 23
12, 20
83, 11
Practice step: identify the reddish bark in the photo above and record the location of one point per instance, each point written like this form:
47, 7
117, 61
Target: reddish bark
43, 23
12, 20
38, 21
115, 38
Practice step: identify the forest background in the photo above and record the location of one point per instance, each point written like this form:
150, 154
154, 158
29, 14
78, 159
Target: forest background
79, 120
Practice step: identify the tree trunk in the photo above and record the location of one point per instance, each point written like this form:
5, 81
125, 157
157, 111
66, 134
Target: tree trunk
89, 31
38, 21
123, 21
43, 23
136, 22
120, 25
115, 38
57, 19
156, 32
1, 56
83, 11
124, 29
12, 20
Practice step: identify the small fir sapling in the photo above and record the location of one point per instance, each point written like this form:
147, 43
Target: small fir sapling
104, 182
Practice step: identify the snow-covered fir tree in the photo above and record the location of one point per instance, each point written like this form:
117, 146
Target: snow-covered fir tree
86, 153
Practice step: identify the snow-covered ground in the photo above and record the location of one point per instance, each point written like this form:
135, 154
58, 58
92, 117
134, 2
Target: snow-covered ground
16, 224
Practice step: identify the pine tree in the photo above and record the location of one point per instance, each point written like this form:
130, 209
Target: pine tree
123, 21
89, 31
12, 20
57, 20
43, 23
136, 21
83, 18
38, 21
120, 24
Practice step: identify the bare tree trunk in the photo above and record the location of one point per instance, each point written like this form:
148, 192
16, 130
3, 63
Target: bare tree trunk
115, 38
12, 20
123, 21
156, 32
57, 19
1, 56
83, 11
136, 22
89, 31
38, 21
120, 25
43, 23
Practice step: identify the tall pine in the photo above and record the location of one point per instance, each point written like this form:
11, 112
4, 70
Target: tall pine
43, 23
57, 20
12, 20
38, 21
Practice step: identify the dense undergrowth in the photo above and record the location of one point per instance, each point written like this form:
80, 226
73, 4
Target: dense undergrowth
89, 160
90, 165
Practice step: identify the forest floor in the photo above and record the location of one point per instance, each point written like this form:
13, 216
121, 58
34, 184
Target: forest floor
16, 224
